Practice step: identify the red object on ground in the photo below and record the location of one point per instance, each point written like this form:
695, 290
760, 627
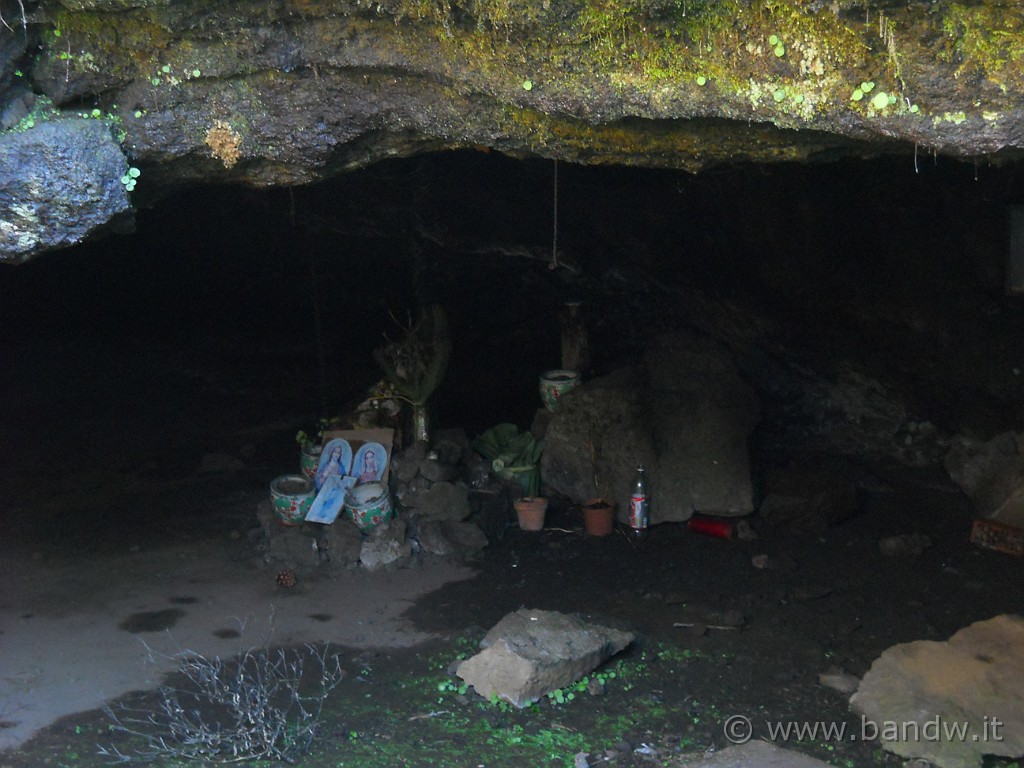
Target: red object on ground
998, 536
721, 529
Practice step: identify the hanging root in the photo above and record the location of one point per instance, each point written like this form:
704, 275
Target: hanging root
24, 18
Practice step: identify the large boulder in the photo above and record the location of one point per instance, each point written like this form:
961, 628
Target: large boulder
442, 501
686, 415
593, 444
530, 653
702, 414
450, 537
845, 411
61, 183
950, 703
991, 474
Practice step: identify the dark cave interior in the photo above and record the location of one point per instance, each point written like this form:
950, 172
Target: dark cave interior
165, 344
234, 317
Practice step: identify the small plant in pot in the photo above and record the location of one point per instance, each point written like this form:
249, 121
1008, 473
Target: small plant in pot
514, 457
309, 450
530, 511
599, 511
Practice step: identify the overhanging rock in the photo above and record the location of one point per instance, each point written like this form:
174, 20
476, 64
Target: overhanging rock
268, 95
62, 182
530, 653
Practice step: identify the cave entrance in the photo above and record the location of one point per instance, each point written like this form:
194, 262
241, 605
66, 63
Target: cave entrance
155, 381
882, 282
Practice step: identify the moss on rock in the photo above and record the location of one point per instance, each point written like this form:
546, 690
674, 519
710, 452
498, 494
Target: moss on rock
314, 86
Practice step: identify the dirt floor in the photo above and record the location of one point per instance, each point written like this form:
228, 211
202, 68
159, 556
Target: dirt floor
74, 615
116, 541
149, 403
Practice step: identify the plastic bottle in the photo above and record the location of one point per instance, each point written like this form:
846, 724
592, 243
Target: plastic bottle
639, 506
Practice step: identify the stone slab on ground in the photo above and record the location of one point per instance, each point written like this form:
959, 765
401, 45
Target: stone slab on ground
754, 754
530, 653
928, 690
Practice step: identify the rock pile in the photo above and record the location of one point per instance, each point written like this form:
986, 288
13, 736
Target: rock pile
437, 513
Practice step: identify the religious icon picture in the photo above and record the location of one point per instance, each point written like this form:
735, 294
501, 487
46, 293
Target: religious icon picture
370, 462
335, 459
331, 500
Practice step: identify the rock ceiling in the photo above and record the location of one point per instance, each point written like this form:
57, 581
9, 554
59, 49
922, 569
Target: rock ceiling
297, 91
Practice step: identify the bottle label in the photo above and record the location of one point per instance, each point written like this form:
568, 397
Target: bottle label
638, 506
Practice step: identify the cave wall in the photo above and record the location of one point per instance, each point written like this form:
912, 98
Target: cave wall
859, 298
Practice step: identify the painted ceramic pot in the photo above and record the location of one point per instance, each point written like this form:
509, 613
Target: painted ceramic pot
554, 384
368, 505
309, 459
291, 496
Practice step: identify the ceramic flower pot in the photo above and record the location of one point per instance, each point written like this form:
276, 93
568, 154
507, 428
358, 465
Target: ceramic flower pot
309, 459
291, 497
368, 505
554, 384
531, 510
598, 517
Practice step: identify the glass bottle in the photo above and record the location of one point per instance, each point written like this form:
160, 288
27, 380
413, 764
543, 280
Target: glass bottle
639, 506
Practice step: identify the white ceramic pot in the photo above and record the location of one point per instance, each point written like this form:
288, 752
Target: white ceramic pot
554, 384
368, 505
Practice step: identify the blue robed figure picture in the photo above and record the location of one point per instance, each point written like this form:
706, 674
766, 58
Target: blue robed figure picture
329, 502
335, 459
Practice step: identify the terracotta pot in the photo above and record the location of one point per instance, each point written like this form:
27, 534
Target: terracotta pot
531, 510
598, 517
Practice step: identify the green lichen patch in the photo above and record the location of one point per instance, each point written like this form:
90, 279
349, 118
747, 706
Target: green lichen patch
589, 75
986, 40
42, 110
